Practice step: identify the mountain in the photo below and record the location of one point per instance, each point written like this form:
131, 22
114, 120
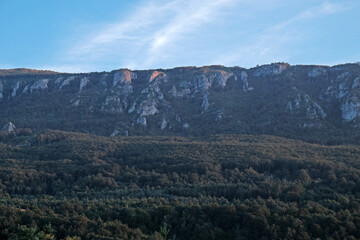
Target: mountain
313, 103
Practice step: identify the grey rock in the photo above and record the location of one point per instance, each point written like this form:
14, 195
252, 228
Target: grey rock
58, 80
244, 78
341, 86
350, 108
186, 125
304, 102
15, 87
141, 121
132, 108
219, 116
83, 82
201, 83
205, 103
220, 77
115, 133
181, 93
268, 70
160, 96
317, 71
163, 123
148, 107
112, 104
9, 127
67, 81
26, 89
356, 83
39, 85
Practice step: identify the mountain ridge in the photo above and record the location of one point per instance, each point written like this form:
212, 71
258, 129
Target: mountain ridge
308, 102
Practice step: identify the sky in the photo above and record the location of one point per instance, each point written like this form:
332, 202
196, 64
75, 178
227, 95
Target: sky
103, 35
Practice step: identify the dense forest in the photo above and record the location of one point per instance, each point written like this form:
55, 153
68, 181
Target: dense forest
62, 185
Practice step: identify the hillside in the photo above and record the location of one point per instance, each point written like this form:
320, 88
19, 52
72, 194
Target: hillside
313, 103
216, 187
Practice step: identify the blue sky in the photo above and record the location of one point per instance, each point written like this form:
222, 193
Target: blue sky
103, 35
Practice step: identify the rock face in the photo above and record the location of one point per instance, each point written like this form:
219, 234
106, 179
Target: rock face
268, 70
350, 108
15, 88
148, 107
244, 77
269, 99
123, 77
67, 81
142, 121
163, 124
317, 71
219, 77
39, 85
303, 103
9, 127
205, 103
83, 82
157, 74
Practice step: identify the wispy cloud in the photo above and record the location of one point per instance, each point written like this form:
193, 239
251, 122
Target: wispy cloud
149, 31
186, 20
269, 45
168, 33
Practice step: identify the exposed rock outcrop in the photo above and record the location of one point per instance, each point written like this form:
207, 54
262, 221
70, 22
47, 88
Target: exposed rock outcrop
132, 108
303, 103
142, 121
268, 70
83, 82
201, 84
317, 71
215, 95
184, 90
148, 107
163, 123
219, 115
159, 75
219, 77
9, 127
67, 81
341, 86
244, 77
350, 108
205, 102
58, 80
124, 77
15, 87
39, 85
112, 104
117, 132
356, 83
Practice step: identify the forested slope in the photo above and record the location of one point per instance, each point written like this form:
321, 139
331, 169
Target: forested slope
217, 187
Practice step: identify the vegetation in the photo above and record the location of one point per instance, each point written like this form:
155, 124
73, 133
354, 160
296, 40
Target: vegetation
61, 185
